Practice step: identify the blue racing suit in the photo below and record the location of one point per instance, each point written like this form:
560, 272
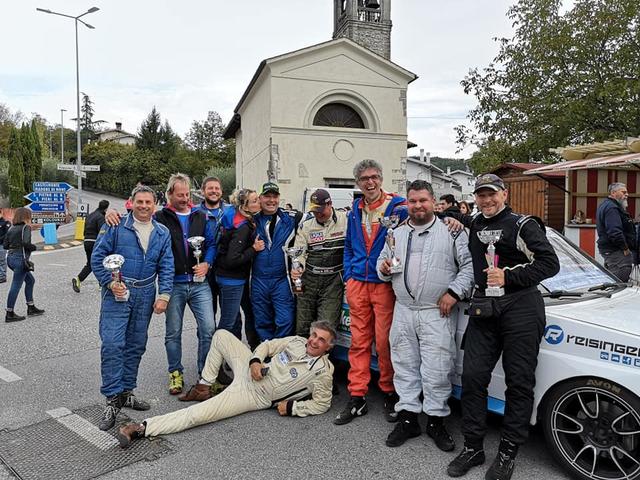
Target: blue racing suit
271, 297
123, 325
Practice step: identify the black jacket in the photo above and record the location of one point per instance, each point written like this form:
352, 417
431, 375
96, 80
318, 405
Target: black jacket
5, 225
236, 252
183, 261
18, 237
92, 225
616, 231
523, 251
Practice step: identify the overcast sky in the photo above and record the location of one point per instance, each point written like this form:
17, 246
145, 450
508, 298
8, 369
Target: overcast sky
188, 57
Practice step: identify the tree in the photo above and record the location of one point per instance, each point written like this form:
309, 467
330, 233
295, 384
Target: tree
16, 170
88, 126
563, 78
37, 158
149, 133
28, 156
205, 140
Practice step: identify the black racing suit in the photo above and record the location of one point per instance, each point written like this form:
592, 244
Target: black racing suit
515, 328
92, 226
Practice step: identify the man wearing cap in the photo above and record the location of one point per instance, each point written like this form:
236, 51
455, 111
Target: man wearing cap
616, 232
323, 236
509, 322
271, 295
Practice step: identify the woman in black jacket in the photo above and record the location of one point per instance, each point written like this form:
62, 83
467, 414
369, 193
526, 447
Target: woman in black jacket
237, 247
18, 242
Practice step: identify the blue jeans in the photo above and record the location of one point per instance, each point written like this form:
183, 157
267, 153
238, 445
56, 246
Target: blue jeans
20, 275
198, 297
230, 299
123, 331
3, 265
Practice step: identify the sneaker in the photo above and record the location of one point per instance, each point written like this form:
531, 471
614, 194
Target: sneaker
216, 387
176, 382
110, 413
406, 428
390, 400
130, 432
75, 284
356, 407
197, 393
501, 468
13, 317
465, 461
32, 311
437, 430
129, 400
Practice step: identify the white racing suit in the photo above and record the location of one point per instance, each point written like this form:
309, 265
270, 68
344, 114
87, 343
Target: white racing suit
423, 348
292, 376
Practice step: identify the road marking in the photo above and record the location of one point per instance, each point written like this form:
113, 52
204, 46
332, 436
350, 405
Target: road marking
49, 247
84, 428
8, 375
64, 245
57, 265
75, 242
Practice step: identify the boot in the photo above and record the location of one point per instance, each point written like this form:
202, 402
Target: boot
389, 407
32, 311
129, 400
12, 317
470, 456
406, 428
502, 466
197, 393
130, 432
356, 407
437, 430
108, 420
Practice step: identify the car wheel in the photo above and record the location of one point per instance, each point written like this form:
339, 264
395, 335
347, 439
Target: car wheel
592, 427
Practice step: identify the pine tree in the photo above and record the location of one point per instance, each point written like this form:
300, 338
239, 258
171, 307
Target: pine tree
35, 138
149, 133
28, 156
16, 170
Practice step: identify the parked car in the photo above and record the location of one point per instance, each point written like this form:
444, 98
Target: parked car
587, 395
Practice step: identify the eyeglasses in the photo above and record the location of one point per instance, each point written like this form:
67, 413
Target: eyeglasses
373, 178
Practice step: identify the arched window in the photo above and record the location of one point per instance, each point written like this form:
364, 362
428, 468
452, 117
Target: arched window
338, 115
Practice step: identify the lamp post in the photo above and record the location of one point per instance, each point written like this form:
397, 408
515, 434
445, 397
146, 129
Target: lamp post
62, 110
79, 146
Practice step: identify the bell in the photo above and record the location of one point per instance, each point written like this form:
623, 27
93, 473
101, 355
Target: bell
372, 4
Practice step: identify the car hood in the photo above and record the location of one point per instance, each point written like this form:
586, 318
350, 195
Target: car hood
621, 312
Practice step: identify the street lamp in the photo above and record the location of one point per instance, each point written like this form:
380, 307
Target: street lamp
79, 147
62, 110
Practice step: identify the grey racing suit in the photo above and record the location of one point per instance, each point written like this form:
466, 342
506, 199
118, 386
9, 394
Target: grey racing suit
435, 262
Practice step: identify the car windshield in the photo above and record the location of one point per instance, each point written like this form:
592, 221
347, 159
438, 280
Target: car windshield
577, 270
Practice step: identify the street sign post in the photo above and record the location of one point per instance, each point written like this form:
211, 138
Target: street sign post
40, 218
46, 197
46, 207
51, 187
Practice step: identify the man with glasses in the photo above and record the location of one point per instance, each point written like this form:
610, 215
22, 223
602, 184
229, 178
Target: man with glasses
370, 299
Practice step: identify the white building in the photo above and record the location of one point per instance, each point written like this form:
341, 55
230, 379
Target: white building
466, 180
308, 116
421, 168
117, 135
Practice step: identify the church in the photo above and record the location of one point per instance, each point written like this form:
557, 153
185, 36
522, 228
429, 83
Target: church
308, 116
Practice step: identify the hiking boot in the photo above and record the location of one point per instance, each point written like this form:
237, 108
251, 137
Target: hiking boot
356, 407
32, 311
406, 428
130, 432
465, 461
176, 382
502, 466
75, 284
437, 430
197, 393
13, 317
129, 400
110, 413
389, 405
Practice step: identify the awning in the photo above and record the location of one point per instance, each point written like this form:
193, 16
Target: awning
630, 160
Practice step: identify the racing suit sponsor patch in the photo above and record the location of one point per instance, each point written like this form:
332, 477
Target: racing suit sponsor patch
284, 357
293, 372
316, 237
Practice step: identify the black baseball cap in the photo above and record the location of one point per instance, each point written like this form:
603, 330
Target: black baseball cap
270, 187
489, 180
319, 200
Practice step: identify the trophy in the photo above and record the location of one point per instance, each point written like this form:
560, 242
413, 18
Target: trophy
114, 263
294, 254
490, 237
196, 243
390, 223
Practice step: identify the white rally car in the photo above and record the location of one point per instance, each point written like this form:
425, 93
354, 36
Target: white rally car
587, 395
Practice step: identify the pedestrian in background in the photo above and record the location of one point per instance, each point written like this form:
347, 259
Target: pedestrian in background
18, 242
4, 228
92, 226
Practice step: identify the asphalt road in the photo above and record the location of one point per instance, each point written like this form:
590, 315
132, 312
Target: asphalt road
57, 356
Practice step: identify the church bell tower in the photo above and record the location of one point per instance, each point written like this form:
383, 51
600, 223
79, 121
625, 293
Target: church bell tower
366, 22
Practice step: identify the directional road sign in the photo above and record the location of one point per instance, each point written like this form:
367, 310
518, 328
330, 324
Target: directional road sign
48, 217
80, 174
90, 168
66, 166
45, 197
51, 187
46, 207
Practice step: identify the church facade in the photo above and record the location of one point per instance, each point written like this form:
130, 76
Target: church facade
308, 116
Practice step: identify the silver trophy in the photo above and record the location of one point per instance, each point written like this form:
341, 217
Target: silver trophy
390, 223
114, 263
490, 237
196, 243
294, 254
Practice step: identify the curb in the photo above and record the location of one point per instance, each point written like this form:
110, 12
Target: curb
64, 243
